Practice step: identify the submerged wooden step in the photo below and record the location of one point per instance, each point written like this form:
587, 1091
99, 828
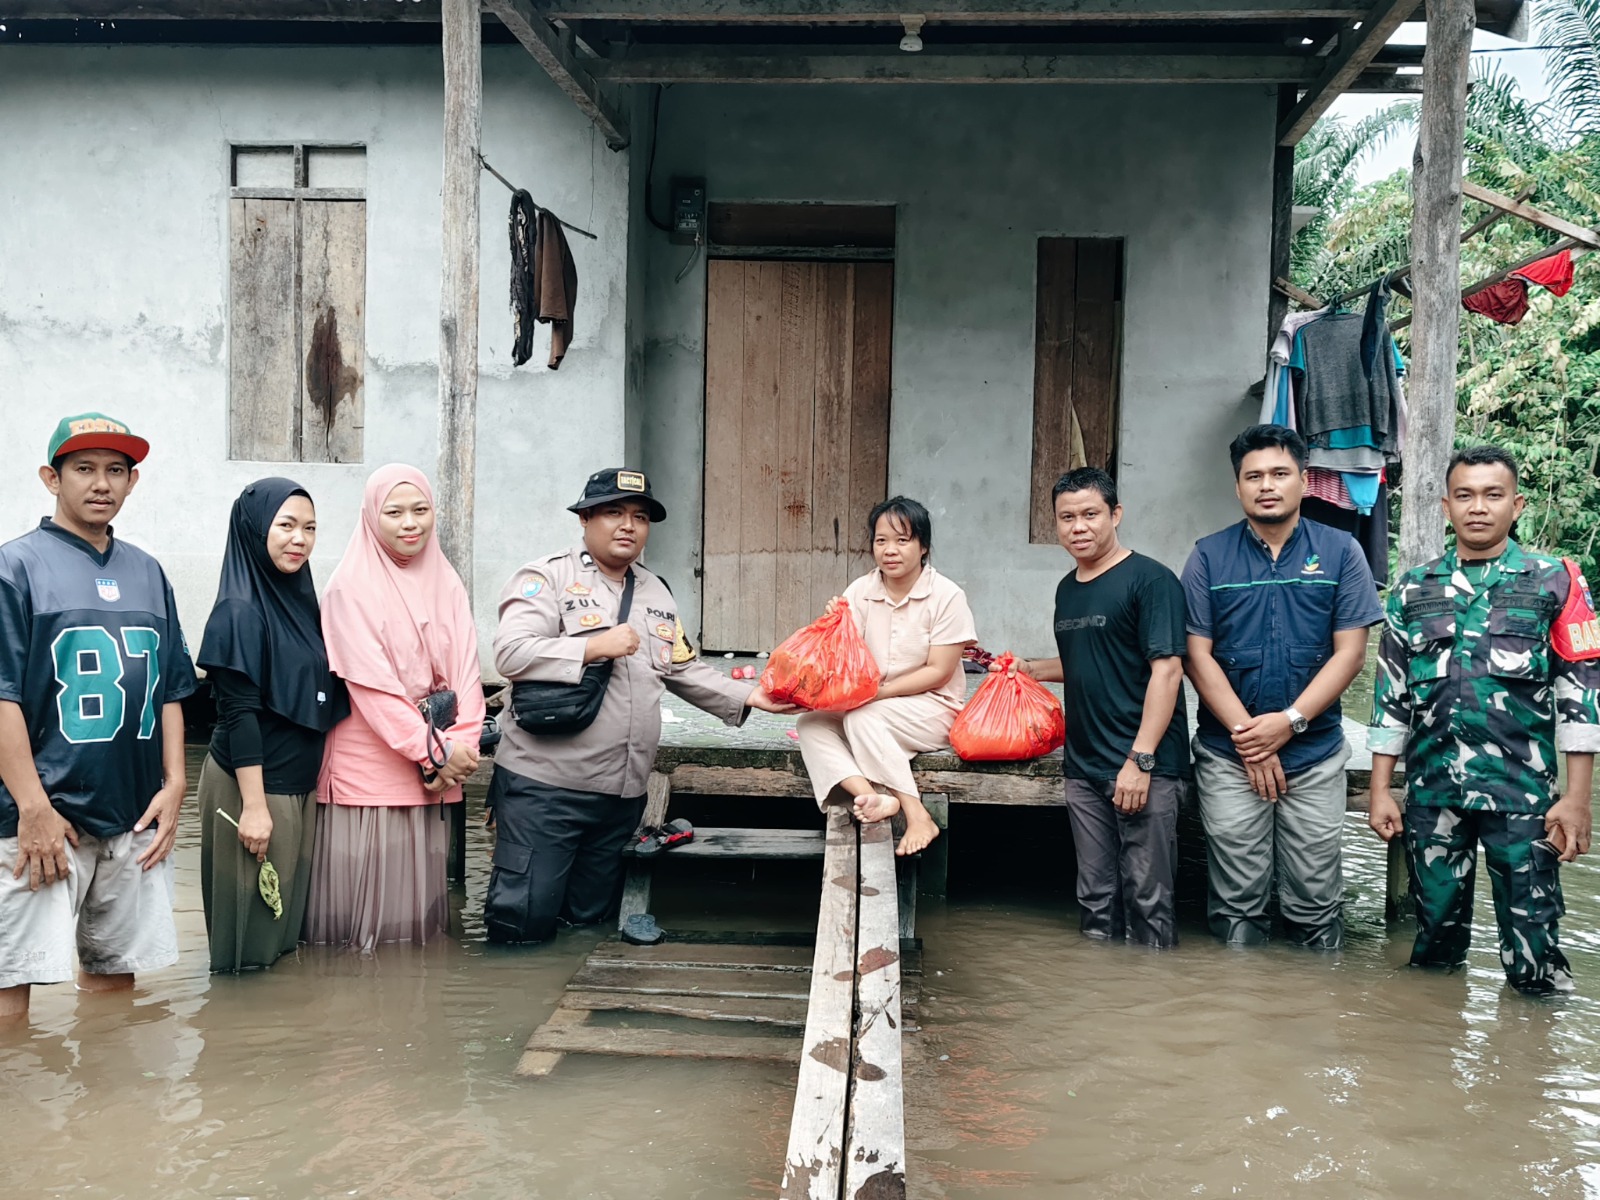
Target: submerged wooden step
658, 1043
702, 954
778, 1011
747, 843
653, 980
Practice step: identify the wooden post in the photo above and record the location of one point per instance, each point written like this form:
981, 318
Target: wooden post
1282, 219
1435, 277
458, 291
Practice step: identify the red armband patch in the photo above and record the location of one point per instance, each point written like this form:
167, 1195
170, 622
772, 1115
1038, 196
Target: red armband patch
1575, 633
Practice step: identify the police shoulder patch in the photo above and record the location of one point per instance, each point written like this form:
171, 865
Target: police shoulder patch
532, 584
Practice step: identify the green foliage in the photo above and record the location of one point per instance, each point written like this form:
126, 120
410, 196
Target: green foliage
1533, 388
1572, 29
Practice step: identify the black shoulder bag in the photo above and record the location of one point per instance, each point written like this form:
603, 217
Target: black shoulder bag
559, 709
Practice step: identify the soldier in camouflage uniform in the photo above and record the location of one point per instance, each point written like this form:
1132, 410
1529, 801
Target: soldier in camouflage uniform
1487, 664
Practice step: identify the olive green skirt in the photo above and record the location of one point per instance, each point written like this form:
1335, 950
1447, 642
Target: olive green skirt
241, 928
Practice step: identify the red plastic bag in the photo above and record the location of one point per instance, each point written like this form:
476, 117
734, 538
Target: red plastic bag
825, 667
1008, 719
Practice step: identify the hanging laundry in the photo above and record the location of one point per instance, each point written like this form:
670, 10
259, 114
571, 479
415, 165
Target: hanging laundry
544, 280
1507, 301
1328, 486
1370, 532
1277, 400
1362, 487
524, 309
555, 284
1335, 390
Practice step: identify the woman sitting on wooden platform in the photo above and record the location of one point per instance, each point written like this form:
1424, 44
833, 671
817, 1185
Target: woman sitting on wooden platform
916, 623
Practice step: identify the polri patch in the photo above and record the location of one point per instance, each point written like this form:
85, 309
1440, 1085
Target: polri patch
533, 585
590, 620
577, 589
108, 589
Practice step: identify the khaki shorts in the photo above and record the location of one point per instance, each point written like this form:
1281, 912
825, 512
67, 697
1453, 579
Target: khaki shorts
116, 914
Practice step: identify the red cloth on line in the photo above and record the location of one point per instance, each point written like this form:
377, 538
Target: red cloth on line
1507, 301
1554, 274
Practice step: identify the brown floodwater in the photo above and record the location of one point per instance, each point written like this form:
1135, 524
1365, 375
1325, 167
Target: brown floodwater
1045, 1065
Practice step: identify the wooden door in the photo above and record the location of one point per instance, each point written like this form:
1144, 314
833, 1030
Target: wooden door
797, 440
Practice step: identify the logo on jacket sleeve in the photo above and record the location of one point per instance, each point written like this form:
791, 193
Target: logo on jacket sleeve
108, 589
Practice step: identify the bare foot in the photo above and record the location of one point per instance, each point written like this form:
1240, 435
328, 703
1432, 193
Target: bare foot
874, 807
919, 834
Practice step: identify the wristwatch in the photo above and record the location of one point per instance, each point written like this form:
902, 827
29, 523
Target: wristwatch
1145, 762
1297, 722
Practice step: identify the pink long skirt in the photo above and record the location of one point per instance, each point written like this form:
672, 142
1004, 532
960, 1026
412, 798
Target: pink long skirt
378, 875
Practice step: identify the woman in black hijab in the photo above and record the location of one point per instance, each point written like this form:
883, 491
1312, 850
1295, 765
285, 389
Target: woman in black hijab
268, 669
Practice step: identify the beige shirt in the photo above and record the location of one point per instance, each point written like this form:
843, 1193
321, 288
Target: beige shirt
900, 634
547, 610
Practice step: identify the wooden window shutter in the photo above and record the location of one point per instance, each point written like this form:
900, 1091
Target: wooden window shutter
297, 278
1077, 355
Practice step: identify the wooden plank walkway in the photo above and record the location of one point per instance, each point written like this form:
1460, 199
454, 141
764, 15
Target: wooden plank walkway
847, 1134
748, 998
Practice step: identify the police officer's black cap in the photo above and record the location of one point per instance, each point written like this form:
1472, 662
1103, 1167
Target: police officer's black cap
618, 483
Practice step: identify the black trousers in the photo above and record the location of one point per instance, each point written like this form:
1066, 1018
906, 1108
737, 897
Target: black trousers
557, 856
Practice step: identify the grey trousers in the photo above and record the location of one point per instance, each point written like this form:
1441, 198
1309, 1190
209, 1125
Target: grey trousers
1250, 843
1126, 863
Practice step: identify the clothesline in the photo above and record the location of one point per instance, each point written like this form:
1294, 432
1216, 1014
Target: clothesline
1574, 238
1494, 217
513, 187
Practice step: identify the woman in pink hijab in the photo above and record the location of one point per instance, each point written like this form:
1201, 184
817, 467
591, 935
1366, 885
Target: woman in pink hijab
398, 629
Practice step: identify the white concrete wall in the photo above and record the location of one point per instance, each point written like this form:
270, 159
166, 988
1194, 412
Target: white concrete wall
114, 288
1183, 173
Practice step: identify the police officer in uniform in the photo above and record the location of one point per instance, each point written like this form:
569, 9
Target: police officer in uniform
566, 805
1488, 666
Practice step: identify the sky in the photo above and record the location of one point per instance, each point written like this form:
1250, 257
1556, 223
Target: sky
1512, 57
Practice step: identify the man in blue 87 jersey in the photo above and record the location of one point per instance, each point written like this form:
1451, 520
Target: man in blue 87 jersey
92, 668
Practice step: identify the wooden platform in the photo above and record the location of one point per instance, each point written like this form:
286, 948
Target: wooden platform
702, 755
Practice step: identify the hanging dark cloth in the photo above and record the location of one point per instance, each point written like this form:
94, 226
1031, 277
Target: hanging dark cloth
266, 625
544, 280
555, 284
1371, 532
524, 304
1374, 329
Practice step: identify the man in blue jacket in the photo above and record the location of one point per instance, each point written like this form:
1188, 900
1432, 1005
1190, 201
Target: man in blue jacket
1279, 608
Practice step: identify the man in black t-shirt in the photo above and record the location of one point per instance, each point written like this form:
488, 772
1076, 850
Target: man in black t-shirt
1120, 631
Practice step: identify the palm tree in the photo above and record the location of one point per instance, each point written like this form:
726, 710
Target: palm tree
1325, 164
1570, 32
